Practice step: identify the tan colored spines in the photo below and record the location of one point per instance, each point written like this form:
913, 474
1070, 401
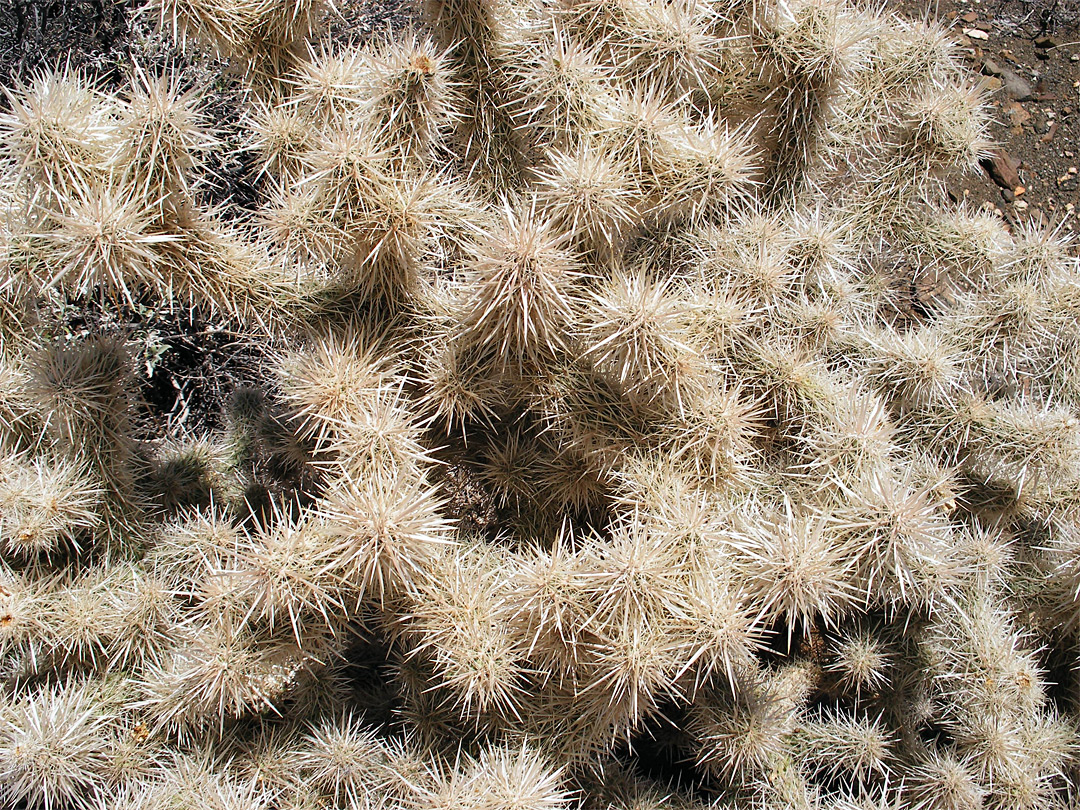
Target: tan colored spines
345, 759
843, 445
264, 35
198, 777
85, 389
384, 534
369, 215
917, 369
22, 624
492, 143
855, 750
795, 565
741, 729
407, 220
216, 673
280, 29
330, 85
503, 776
477, 34
56, 746
590, 196
711, 174
456, 622
456, 390
220, 25
899, 529
1032, 448
593, 21
147, 613
521, 293
940, 778
902, 57
723, 630
413, 98
58, 133
635, 329
509, 465
547, 606
715, 436
161, 141
810, 46
915, 51
130, 225
279, 133
585, 410
995, 702
212, 263
82, 620
334, 380
944, 128
189, 474
105, 238
639, 128
284, 581
793, 382
48, 508
561, 86
655, 499
575, 480
675, 45
861, 661
21, 261
298, 231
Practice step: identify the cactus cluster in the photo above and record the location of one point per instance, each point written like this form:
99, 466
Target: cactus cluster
638, 423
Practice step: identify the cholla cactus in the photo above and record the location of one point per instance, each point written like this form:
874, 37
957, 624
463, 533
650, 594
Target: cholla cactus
582, 448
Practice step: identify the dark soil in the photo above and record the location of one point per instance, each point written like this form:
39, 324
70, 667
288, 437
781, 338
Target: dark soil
186, 367
90, 34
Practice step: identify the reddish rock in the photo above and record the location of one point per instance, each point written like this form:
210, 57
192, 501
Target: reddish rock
1002, 168
1018, 116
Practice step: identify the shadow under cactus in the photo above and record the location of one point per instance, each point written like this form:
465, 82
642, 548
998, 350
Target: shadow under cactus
42, 33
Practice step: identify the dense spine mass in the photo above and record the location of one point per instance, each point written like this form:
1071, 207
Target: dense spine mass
600, 453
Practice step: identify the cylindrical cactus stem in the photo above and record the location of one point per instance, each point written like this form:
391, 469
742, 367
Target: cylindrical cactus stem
808, 47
